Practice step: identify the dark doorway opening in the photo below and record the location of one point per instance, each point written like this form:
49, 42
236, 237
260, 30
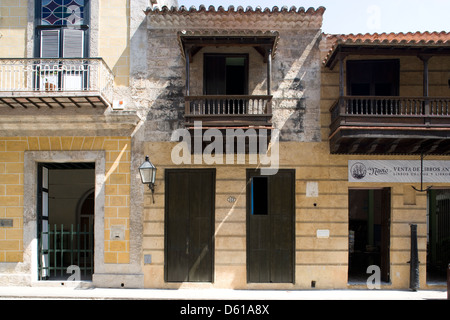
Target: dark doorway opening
438, 237
226, 74
66, 211
369, 233
373, 77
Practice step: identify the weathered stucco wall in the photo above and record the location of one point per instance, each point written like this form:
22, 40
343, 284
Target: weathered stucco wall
158, 89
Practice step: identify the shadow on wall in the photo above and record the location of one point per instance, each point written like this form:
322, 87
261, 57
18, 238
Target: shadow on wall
297, 96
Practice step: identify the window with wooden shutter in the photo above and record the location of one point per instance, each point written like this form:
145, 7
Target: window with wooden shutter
73, 43
50, 43
62, 27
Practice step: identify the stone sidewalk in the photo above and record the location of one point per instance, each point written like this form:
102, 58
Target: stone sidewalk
41, 292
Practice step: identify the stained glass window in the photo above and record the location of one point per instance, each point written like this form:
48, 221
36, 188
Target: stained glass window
62, 12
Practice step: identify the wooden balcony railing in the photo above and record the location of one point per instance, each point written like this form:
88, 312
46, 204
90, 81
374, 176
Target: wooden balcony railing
227, 110
390, 111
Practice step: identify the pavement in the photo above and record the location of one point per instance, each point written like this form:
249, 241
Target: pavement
77, 293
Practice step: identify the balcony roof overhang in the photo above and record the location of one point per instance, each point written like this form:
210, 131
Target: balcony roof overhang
191, 42
390, 141
53, 99
411, 44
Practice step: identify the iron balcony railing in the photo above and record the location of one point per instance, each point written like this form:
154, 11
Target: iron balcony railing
390, 110
56, 75
229, 110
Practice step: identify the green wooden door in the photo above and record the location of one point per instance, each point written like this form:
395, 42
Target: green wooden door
270, 227
189, 226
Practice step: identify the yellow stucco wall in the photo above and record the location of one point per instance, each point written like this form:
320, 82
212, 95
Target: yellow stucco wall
13, 25
324, 261
113, 38
117, 188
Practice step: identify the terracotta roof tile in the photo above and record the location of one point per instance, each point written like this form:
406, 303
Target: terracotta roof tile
235, 18
418, 39
392, 38
232, 9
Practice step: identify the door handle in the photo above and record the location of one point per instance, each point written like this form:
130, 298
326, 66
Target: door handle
187, 246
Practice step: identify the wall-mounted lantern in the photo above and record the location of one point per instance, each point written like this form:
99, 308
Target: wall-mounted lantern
148, 175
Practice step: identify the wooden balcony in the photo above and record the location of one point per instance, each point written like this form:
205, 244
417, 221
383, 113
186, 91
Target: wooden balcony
390, 125
222, 111
55, 83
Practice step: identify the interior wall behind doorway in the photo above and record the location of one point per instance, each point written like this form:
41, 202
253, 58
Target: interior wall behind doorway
369, 233
66, 190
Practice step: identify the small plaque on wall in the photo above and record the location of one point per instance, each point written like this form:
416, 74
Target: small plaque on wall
6, 223
323, 234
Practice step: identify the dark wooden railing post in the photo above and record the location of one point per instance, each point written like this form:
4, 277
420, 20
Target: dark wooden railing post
269, 72
269, 106
426, 110
342, 108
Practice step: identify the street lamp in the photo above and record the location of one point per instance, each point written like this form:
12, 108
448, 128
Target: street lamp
148, 175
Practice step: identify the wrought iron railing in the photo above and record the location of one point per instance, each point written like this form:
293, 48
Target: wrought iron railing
56, 75
61, 248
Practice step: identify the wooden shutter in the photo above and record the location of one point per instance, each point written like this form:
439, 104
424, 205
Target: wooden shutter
49, 44
73, 43
214, 75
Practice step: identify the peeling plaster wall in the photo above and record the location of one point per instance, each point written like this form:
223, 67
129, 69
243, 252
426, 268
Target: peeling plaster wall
158, 86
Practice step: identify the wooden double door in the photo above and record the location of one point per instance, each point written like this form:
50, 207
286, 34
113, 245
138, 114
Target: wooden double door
189, 226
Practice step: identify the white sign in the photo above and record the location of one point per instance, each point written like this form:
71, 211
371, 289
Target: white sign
403, 171
324, 234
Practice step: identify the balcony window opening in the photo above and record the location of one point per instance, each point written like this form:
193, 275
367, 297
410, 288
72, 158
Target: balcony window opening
225, 101
372, 78
62, 28
226, 75
61, 33
259, 196
235, 75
